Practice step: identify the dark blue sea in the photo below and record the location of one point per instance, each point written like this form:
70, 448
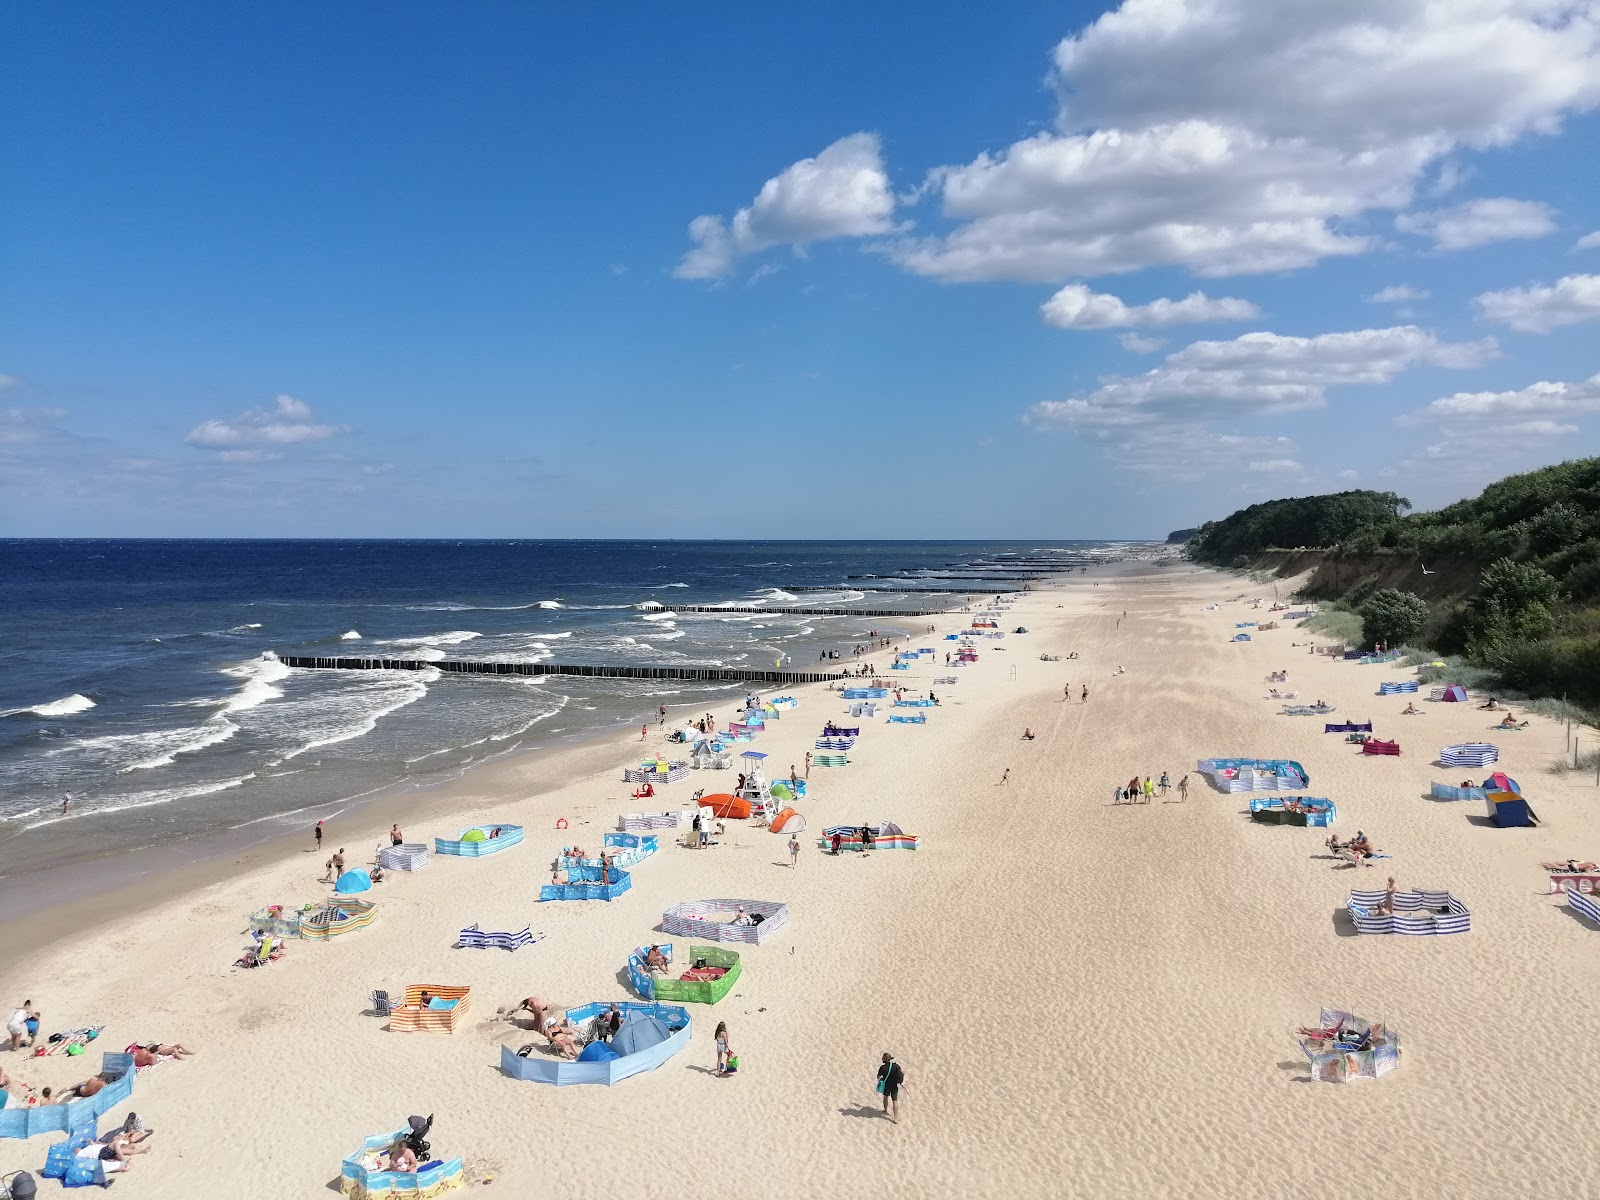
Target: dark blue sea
140, 677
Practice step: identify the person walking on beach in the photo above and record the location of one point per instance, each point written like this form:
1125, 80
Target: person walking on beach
794, 851
1183, 788
1164, 784
644, 731
808, 764
336, 864
891, 1078
1149, 789
318, 834
395, 836
663, 714
1085, 696
724, 1048
1005, 775
66, 803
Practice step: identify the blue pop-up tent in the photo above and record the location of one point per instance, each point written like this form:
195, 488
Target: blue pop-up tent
353, 881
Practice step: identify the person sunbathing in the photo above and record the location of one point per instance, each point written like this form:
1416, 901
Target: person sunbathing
115, 1155
1490, 703
1509, 721
168, 1050
1410, 710
656, 962
1361, 846
1027, 735
84, 1090
376, 874
742, 918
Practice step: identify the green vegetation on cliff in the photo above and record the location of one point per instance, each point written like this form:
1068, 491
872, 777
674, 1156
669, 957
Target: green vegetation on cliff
1533, 619
1298, 521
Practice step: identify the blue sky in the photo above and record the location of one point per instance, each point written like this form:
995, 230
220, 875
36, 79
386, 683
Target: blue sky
403, 270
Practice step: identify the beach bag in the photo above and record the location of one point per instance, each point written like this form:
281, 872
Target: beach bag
733, 1064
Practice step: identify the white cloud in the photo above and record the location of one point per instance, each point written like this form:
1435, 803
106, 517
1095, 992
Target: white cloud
1544, 307
288, 422
1347, 473
1257, 373
842, 192
1276, 466
19, 426
1589, 241
1232, 136
1076, 307
1398, 294
1536, 406
1139, 344
1479, 222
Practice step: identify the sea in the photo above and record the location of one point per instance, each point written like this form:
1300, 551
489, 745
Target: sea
141, 678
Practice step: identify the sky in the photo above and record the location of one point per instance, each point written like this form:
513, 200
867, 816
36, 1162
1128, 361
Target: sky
1030, 270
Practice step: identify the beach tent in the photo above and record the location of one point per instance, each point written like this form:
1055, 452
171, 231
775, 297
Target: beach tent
729, 807
597, 1051
353, 881
640, 1032
788, 821
1454, 694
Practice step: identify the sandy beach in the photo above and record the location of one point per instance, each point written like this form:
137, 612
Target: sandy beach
1088, 999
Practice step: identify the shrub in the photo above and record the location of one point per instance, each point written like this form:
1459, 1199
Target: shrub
1393, 617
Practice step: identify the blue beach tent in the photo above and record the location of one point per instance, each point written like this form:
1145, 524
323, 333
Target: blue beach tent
353, 881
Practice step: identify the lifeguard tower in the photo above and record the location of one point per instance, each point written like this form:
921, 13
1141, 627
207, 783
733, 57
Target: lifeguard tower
756, 788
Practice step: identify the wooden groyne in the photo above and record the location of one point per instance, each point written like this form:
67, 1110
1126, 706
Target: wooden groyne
449, 667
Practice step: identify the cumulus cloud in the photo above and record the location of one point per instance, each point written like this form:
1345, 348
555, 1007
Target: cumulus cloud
1257, 373
1076, 307
1536, 408
1398, 294
1139, 344
288, 422
1570, 300
842, 192
1231, 137
1589, 241
1479, 222
1276, 466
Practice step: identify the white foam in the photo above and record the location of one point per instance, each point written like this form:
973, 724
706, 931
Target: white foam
674, 585
150, 799
64, 707
259, 675
351, 635
172, 743
242, 628
411, 686
453, 637
776, 594
659, 616
549, 604
427, 654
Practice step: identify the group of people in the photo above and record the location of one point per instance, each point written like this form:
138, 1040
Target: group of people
1359, 848
837, 841
1136, 791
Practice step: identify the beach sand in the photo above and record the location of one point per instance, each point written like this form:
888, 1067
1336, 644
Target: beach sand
1088, 999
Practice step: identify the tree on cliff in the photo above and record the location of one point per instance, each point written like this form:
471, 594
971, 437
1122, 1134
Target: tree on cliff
1393, 617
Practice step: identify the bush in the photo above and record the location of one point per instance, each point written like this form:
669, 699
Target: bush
1393, 617
1457, 670
1558, 710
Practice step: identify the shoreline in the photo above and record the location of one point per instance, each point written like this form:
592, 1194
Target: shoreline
131, 882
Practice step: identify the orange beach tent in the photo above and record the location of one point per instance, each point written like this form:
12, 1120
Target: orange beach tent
788, 821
